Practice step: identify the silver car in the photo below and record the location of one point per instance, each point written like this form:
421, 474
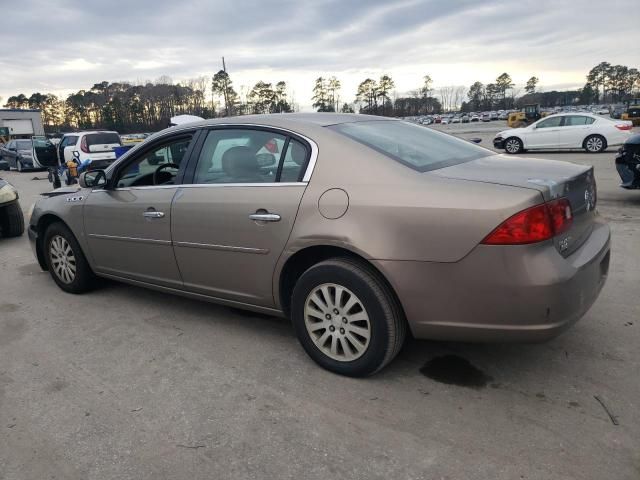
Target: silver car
358, 228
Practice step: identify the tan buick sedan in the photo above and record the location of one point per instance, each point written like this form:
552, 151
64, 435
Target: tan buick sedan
358, 228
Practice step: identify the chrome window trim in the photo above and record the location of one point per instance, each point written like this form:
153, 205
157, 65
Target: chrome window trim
205, 185
307, 174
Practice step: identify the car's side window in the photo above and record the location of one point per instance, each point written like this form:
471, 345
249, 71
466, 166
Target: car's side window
295, 162
158, 166
576, 120
240, 155
550, 122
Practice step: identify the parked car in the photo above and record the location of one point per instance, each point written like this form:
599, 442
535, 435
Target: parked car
94, 148
445, 120
628, 163
19, 155
617, 111
565, 131
465, 119
486, 117
493, 115
475, 118
283, 214
11, 218
456, 119
603, 110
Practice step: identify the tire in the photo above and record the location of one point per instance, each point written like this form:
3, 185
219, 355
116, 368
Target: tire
594, 144
12, 220
58, 241
513, 145
369, 308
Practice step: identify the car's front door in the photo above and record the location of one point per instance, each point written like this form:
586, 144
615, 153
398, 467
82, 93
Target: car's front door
232, 223
128, 224
544, 133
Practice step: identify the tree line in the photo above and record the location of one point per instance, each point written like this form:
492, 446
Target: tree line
127, 107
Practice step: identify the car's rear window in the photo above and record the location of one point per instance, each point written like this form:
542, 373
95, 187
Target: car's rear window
417, 147
102, 138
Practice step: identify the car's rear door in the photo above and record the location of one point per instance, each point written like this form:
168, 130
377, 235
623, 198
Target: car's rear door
231, 224
128, 224
574, 130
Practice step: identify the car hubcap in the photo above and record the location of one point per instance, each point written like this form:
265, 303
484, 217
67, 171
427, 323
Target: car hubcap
337, 322
594, 144
513, 146
62, 258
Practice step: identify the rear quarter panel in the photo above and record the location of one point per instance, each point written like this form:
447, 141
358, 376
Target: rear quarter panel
397, 213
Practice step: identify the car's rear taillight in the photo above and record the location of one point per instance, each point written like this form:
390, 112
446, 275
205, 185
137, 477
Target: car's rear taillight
623, 126
534, 224
83, 145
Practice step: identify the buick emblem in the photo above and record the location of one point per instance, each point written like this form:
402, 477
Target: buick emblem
590, 198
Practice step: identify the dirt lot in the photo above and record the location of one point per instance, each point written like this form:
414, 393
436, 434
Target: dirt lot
129, 383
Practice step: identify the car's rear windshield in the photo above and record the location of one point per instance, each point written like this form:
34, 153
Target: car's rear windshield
24, 145
417, 147
102, 138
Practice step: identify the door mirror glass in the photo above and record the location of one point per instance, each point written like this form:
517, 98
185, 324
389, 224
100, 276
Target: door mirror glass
93, 179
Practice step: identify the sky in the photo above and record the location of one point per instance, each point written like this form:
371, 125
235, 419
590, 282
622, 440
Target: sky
77, 43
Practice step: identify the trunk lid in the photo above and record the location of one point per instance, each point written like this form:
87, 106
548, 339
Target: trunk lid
551, 178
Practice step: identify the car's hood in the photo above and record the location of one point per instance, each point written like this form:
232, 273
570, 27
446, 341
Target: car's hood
511, 132
547, 176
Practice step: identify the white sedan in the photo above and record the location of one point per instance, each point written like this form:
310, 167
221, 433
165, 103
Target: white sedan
565, 131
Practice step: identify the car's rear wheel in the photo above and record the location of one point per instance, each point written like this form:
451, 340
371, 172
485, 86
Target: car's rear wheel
66, 262
594, 144
11, 220
346, 318
513, 145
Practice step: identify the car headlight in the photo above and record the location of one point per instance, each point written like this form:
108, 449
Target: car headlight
8, 194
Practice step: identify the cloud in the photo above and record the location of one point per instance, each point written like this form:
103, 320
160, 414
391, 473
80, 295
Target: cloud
82, 42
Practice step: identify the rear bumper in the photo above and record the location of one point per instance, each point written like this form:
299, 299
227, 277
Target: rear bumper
525, 293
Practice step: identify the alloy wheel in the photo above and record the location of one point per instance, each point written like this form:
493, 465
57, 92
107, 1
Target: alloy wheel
594, 144
337, 322
63, 261
512, 145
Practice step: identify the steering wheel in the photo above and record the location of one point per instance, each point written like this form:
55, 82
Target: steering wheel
156, 176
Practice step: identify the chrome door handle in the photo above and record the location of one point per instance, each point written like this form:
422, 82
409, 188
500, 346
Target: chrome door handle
265, 217
153, 214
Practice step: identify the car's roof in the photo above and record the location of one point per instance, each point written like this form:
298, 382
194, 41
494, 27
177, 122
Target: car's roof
287, 120
85, 132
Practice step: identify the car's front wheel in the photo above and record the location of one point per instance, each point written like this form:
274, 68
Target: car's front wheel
66, 262
594, 144
11, 220
346, 318
513, 145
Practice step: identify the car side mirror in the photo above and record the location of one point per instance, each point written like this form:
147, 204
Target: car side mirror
93, 179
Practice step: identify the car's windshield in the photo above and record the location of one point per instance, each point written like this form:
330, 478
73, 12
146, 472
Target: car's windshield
23, 144
417, 147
